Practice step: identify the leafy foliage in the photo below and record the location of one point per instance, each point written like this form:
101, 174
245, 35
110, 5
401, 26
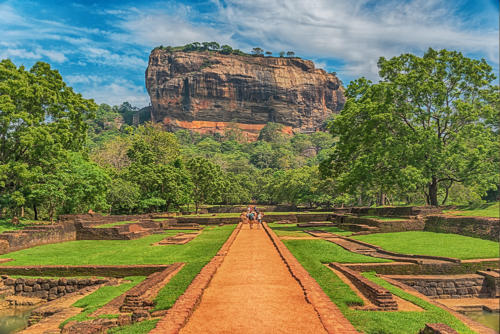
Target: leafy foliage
424, 127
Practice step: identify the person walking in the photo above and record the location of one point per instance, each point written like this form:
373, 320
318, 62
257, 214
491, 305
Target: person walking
251, 218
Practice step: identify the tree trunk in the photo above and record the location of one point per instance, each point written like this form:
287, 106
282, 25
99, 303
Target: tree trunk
35, 211
433, 192
22, 211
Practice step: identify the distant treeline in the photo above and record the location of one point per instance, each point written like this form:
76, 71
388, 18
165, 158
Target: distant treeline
223, 49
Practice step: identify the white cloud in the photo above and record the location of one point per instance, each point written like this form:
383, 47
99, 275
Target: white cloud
105, 57
54, 56
357, 32
157, 27
18, 53
115, 92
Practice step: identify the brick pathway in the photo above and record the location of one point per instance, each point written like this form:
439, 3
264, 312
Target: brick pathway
253, 291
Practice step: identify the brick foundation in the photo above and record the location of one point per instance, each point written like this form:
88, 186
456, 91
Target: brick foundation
48, 289
479, 227
456, 286
378, 295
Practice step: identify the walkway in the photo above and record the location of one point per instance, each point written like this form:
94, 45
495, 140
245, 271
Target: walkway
253, 292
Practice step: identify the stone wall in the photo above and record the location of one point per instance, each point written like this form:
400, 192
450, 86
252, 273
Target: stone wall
394, 268
437, 329
396, 211
378, 295
32, 236
456, 286
479, 227
48, 289
119, 232
97, 219
383, 226
87, 270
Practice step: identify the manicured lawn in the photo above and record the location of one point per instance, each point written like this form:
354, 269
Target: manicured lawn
123, 252
101, 297
485, 210
137, 328
327, 252
384, 218
195, 254
292, 230
437, 244
116, 224
312, 256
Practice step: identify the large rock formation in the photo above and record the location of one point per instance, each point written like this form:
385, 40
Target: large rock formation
208, 91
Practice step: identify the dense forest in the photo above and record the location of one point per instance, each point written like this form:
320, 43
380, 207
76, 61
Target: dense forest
427, 133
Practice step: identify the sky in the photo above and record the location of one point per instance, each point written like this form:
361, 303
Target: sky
101, 48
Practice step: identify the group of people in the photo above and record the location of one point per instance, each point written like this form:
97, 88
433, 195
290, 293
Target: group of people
252, 216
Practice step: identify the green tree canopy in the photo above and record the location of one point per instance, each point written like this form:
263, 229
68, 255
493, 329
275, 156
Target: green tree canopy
41, 118
423, 126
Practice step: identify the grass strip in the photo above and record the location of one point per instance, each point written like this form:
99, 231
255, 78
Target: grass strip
436, 244
312, 257
484, 210
292, 230
137, 328
101, 297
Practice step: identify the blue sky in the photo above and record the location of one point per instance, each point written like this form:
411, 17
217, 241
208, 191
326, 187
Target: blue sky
101, 47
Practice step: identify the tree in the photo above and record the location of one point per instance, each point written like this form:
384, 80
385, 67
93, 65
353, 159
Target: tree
150, 144
282, 54
207, 180
41, 119
226, 49
272, 132
290, 54
257, 51
269, 53
422, 127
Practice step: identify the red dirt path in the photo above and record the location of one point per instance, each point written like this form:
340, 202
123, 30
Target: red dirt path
253, 292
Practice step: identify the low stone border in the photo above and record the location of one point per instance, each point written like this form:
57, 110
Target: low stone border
437, 329
179, 314
404, 268
475, 326
330, 316
88, 270
399, 255
378, 295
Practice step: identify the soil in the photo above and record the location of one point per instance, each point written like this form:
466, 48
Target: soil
253, 292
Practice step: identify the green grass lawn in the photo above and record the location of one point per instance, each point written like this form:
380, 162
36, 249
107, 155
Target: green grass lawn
437, 244
195, 254
292, 230
484, 210
116, 224
313, 253
384, 218
101, 297
137, 328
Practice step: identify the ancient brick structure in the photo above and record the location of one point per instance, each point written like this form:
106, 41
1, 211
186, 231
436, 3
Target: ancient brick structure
378, 295
31, 236
437, 329
479, 227
456, 286
48, 289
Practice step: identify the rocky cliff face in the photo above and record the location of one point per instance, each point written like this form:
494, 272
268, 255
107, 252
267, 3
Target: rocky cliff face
208, 91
